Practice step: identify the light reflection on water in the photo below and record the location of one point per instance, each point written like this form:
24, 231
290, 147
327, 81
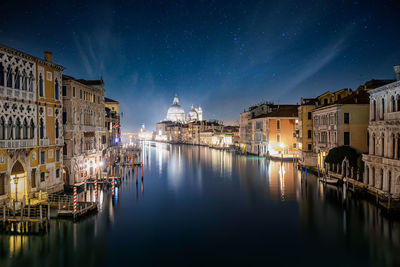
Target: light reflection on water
229, 209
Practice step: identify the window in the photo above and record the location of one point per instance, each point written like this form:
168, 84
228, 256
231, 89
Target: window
80, 93
56, 90
64, 90
346, 118
278, 138
41, 129
9, 77
383, 108
278, 124
64, 117
73, 91
16, 79
346, 138
294, 145
31, 130
2, 182
103, 139
42, 176
25, 130
57, 173
1, 75
10, 126
18, 129
33, 178
57, 130
309, 116
41, 89
57, 155
65, 149
325, 101
309, 147
339, 97
42, 157
2, 128
309, 134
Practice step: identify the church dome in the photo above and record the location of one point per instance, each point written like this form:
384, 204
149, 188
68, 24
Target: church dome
192, 115
176, 113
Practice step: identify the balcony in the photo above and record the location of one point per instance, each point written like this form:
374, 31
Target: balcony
90, 152
16, 144
44, 142
59, 141
392, 116
17, 93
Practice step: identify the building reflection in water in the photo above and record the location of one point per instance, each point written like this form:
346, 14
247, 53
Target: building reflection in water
328, 224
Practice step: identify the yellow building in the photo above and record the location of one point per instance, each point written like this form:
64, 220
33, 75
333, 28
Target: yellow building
304, 128
343, 123
30, 126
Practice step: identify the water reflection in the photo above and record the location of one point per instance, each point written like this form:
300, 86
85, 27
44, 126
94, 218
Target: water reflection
234, 210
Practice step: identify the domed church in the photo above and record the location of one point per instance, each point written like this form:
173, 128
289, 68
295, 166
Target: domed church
195, 114
177, 114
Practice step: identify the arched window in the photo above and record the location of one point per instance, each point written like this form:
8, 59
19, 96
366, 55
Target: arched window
57, 129
383, 145
31, 82
1, 74
32, 130
41, 89
393, 104
383, 108
398, 102
17, 84
374, 110
381, 180
393, 146
56, 90
41, 129
9, 77
2, 128
10, 129
24, 81
373, 177
18, 129
389, 181
373, 144
25, 130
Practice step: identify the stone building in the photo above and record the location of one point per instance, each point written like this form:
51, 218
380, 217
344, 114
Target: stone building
274, 133
84, 129
382, 163
30, 125
245, 124
112, 122
304, 129
342, 123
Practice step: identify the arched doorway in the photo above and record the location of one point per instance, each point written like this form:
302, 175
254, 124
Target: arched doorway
18, 181
66, 176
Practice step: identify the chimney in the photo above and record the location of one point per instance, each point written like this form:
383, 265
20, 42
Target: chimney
397, 71
47, 56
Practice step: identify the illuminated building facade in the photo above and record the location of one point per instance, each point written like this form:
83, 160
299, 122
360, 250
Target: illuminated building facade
382, 162
84, 129
344, 122
30, 125
304, 128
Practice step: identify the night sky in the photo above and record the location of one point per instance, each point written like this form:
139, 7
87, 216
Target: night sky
222, 55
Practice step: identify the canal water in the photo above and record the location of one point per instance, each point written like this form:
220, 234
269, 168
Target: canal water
201, 206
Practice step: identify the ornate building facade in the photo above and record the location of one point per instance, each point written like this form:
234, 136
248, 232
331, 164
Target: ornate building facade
84, 129
30, 125
382, 163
